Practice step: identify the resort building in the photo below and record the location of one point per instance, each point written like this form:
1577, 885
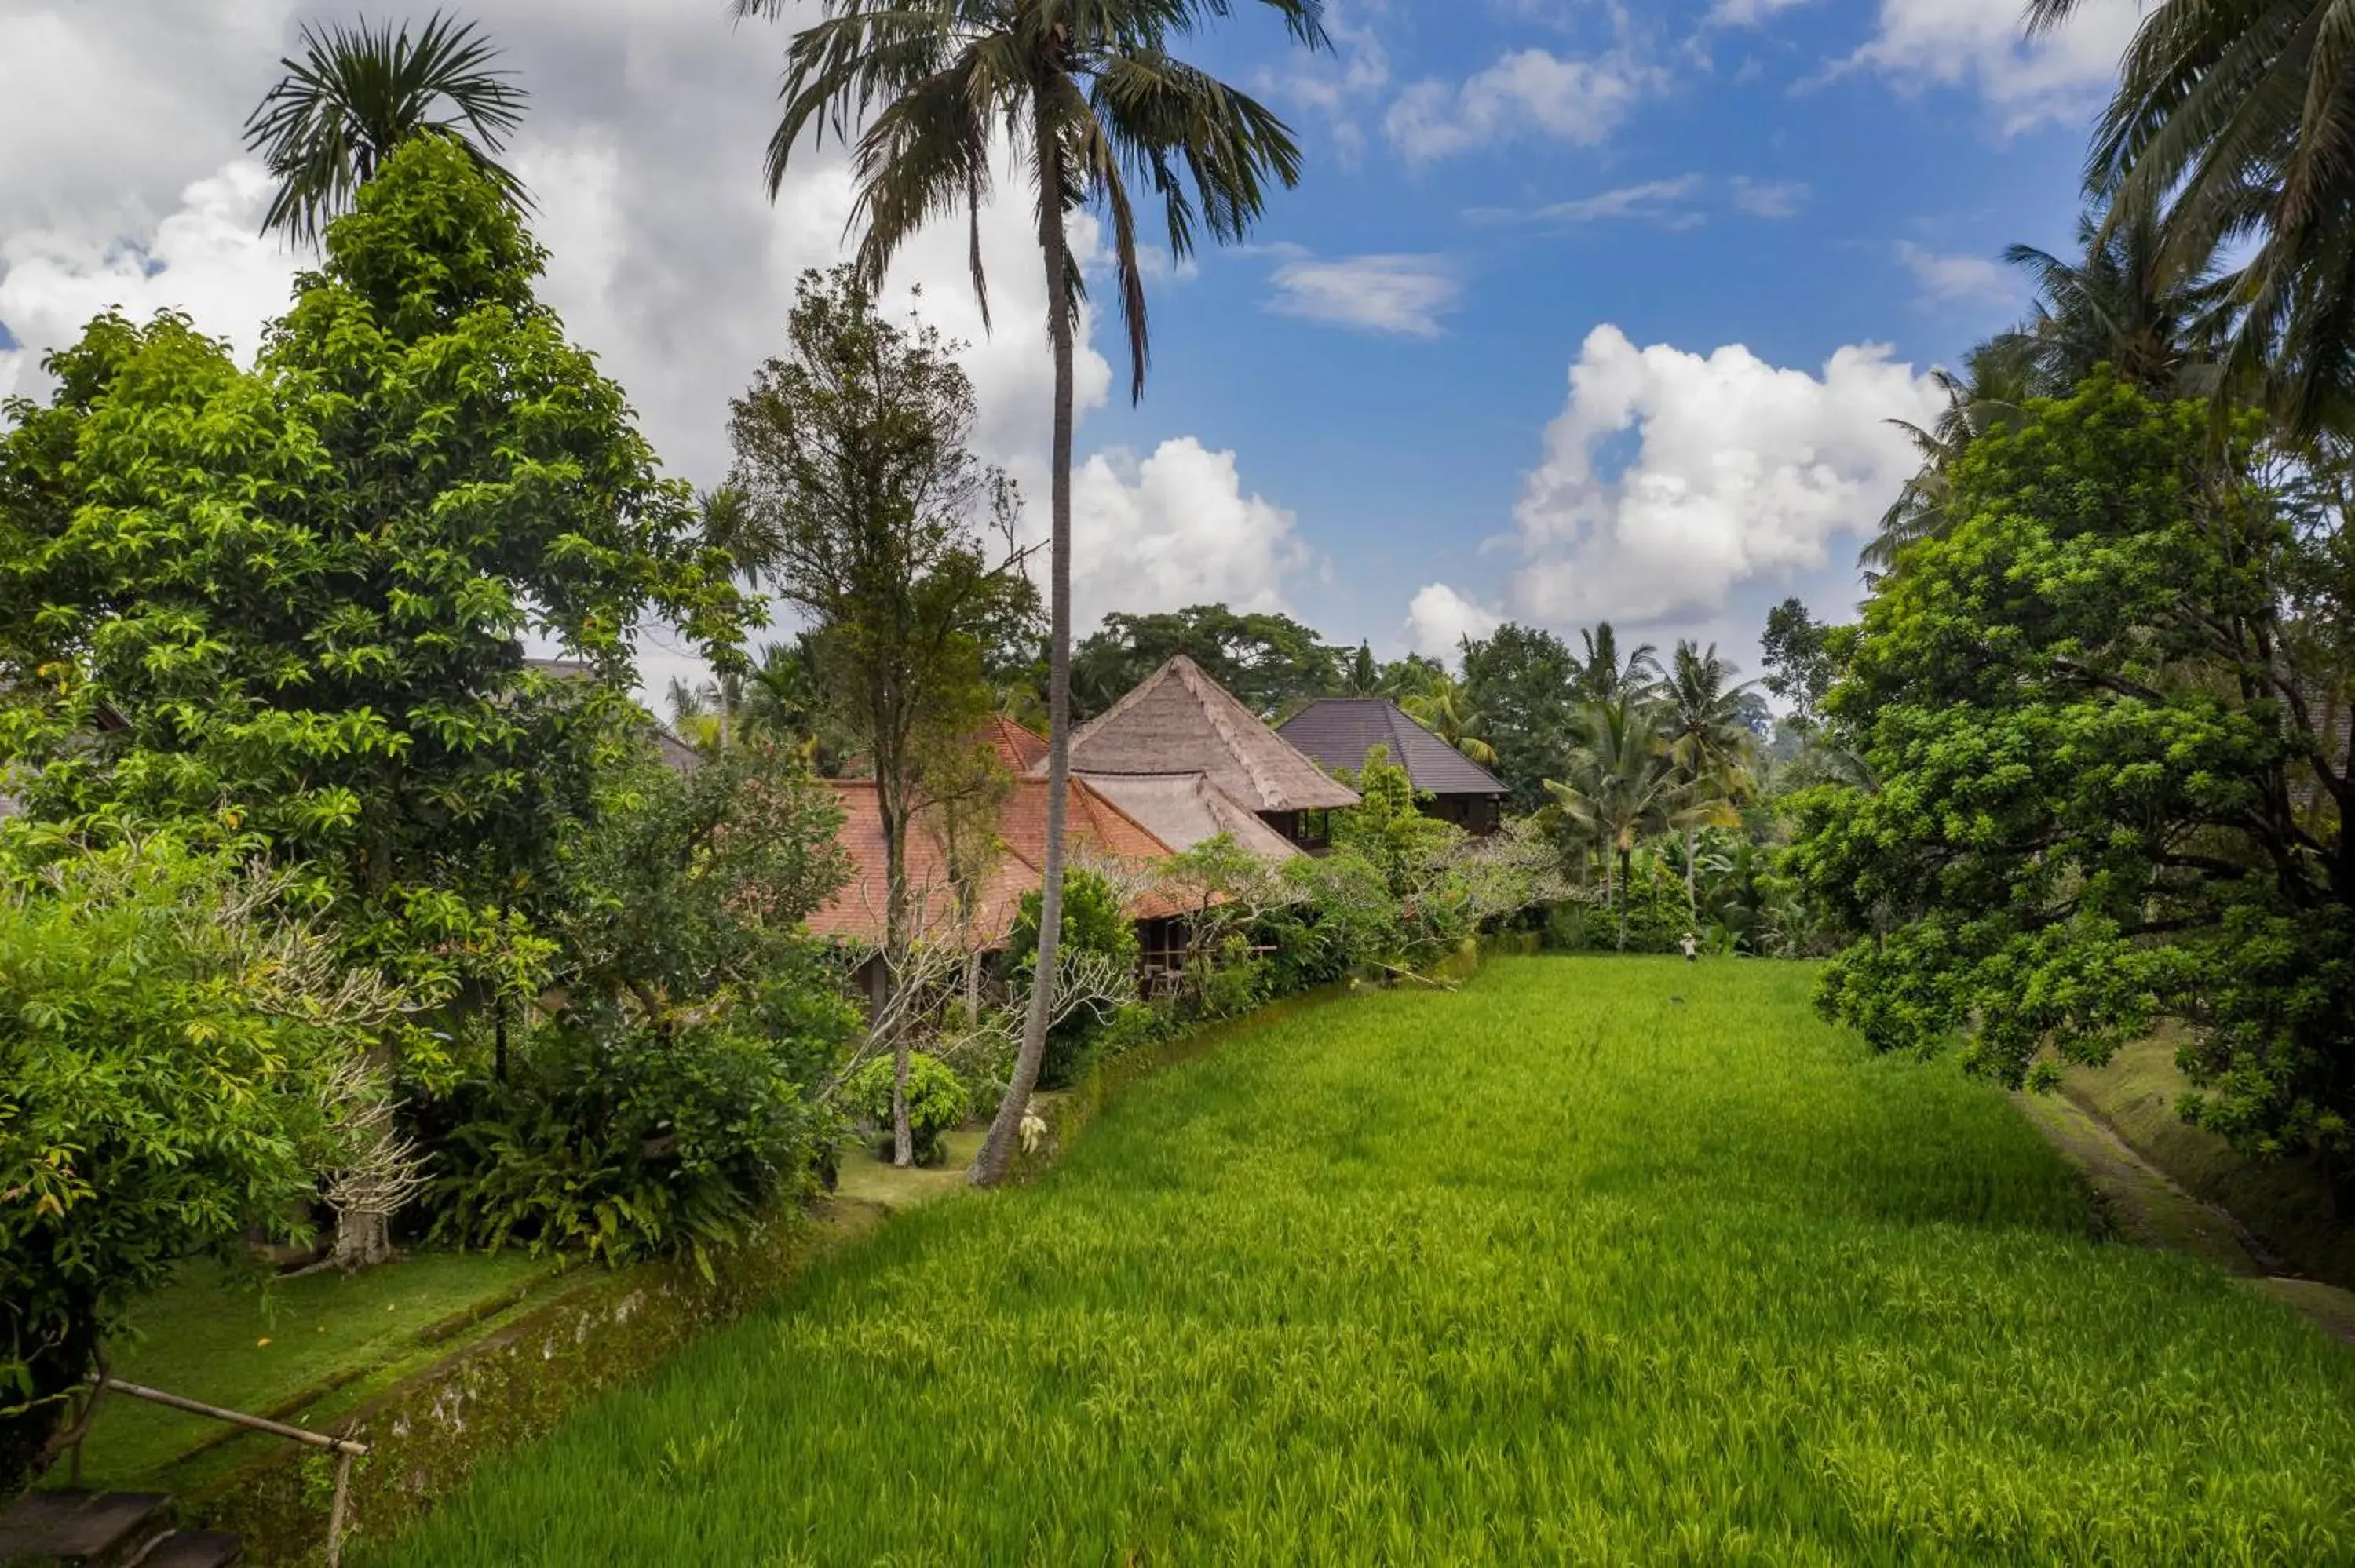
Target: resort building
1341, 732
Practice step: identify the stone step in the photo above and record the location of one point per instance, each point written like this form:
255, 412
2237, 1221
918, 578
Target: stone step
74, 1526
191, 1549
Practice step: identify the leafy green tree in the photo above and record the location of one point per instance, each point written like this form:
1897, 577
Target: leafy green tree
1997, 376
1095, 922
357, 94
2111, 783
180, 1051
302, 594
1798, 659
1389, 830
1091, 98
1522, 680
1270, 662
852, 454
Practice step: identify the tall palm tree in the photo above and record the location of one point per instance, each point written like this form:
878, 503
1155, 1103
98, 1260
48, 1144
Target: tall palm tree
2121, 304
1445, 708
1710, 745
357, 93
2235, 119
1603, 676
1997, 380
1622, 787
1090, 100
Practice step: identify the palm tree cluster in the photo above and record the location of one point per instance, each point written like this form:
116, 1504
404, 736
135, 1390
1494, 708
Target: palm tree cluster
2217, 255
1655, 750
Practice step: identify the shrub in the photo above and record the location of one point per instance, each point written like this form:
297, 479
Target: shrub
937, 1101
176, 1046
1094, 922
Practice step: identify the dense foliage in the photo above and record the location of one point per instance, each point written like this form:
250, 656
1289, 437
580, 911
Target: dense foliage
2104, 712
1270, 662
179, 1050
667, 1087
937, 1101
303, 591
1095, 927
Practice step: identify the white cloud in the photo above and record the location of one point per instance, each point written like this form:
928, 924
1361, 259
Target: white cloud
1771, 199
1733, 469
1174, 530
1748, 13
1439, 618
1980, 44
1959, 277
1526, 92
1401, 295
1340, 82
205, 259
1652, 201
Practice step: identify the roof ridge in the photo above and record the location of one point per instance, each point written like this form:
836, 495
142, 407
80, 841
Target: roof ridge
1194, 680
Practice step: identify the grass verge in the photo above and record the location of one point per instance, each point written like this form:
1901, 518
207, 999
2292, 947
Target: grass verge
1597, 1260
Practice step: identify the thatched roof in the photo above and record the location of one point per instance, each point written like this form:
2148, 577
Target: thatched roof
1186, 809
1180, 720
1339, 731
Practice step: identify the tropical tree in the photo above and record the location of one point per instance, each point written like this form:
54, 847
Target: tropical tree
356, 94
1091, 99
1269, 661
853, 454
1997, 376
1522, 680
2231, 121
1710, 745
2124, 303
1444, 707
1603, 676
1622, 787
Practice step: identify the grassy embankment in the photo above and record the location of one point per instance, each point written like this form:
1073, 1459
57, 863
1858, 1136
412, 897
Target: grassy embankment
1600, 1259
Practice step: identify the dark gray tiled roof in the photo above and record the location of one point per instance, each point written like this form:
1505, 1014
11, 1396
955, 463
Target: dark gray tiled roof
1339, 731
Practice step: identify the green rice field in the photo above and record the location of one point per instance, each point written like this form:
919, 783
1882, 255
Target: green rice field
1596, 1261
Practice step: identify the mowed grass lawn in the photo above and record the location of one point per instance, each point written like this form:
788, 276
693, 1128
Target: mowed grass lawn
1598, 1260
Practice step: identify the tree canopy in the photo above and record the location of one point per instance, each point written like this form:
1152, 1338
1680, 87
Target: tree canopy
301, 595
2107, 718
1269, 661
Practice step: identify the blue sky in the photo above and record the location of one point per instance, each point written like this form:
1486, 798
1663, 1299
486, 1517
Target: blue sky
1749, 225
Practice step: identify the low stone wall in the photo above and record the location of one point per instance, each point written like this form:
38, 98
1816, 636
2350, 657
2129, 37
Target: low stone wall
428, 1433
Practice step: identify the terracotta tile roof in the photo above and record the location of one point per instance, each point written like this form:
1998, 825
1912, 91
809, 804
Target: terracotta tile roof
1096, 831
1018, 747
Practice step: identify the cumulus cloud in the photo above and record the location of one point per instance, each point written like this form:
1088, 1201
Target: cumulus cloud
1670, 476
1945, 278
1173, 530
1438, 619
1979, 44
204, 258
1528, 92
1401, 295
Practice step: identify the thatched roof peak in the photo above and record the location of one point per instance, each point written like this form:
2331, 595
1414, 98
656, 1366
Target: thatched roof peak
1178, 720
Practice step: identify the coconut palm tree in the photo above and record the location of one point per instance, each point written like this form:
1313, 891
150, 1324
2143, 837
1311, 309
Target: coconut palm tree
1445, 708
1622, 788
1710, 743
2123, 304
1997, 380
1090, 102
356, 94
2235, 119
1603, 676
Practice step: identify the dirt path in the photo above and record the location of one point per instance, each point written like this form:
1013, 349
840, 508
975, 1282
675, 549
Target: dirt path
2149, 1209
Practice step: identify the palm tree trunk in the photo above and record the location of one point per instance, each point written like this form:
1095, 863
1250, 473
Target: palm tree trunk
1692, 894
895, 954
989, 1167
1624, 857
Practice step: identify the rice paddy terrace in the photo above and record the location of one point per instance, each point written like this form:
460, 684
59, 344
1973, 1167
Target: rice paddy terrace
1596, 1260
